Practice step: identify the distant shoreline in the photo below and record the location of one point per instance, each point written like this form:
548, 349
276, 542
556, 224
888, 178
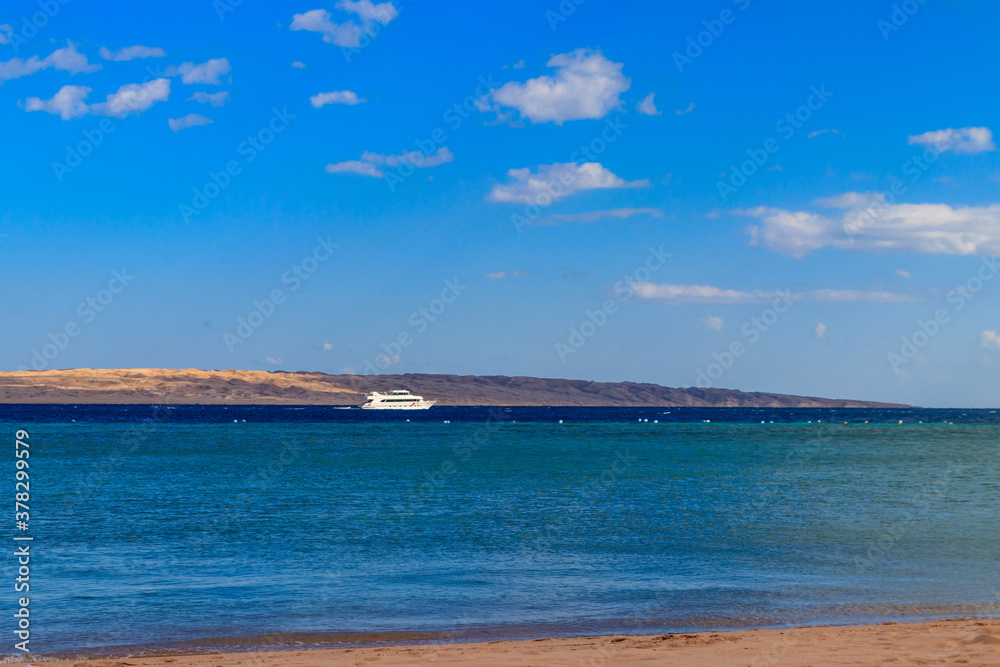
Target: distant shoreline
234, 387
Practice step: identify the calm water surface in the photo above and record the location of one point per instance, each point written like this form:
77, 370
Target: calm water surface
182, 529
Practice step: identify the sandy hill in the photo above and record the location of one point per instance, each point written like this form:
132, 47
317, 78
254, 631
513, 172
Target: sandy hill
152, 385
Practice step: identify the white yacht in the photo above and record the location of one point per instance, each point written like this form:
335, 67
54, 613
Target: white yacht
400, 399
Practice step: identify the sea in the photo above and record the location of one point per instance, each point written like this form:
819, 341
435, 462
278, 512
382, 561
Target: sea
183, 529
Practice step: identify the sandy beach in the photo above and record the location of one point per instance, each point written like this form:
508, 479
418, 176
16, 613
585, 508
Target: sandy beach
957, 641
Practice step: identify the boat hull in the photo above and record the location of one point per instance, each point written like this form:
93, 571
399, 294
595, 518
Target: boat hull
416, 405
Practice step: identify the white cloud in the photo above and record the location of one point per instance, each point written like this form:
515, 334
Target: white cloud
820, 330
648, 107
868, 224
68, 102
190, 120
863, 296
695, 293
67, 59
500, 275
860, 296
415, 158
298, 64
349, 33
327, 347
6, 31
816, 133
133, 98
318, 20
684, 112
207, 72
70, 60
961, 140
791, 233
990, 339
370, 163
851, 200
382, 12
714, 323
132, 52
336, 97
585, 85
15, 68
677, 294
274, 361
215, 99
552, 182
354, 166
593, 216
903, 274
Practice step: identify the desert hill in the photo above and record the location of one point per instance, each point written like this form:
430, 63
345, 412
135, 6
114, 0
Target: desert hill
144, 386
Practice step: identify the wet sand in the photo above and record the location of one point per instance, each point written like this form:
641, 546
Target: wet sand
951, 642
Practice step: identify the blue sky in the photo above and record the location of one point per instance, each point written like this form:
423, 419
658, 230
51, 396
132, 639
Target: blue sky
502, 184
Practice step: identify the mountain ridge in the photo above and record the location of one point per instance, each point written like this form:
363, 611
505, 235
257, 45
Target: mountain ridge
217, 387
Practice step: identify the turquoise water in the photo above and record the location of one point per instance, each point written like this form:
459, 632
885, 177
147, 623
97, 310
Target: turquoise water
161, 535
